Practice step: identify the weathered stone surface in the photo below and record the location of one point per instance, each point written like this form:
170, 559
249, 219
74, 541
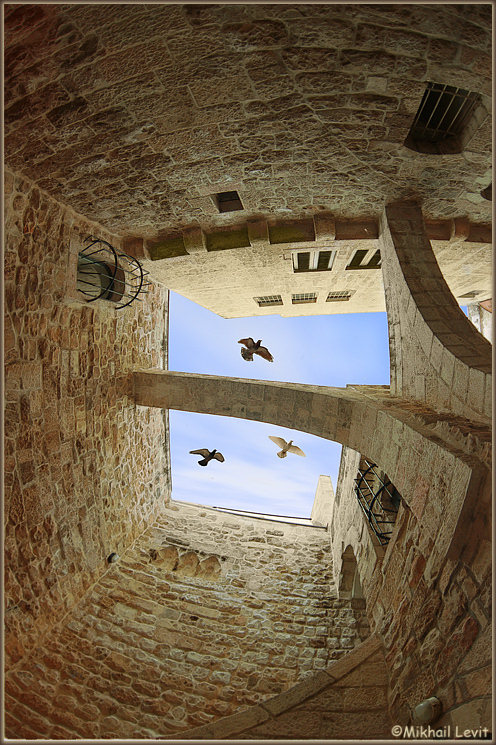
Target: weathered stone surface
71, 422
178, 641
131, 73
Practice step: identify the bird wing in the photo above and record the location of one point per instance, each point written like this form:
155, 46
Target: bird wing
246, 354
296, 450
247, 342
264, 352
279, 441
219, 456
202, 451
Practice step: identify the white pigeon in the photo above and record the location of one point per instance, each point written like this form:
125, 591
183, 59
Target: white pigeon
287, 447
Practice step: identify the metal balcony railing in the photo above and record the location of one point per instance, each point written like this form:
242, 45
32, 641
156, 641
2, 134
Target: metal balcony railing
378, 498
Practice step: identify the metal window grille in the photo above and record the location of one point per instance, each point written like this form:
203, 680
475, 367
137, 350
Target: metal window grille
443, 112
228, 201
304, 297
105, 274
268, 300
378, 498
339, 295
313, 261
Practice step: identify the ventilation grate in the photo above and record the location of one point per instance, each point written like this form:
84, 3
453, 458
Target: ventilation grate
304, 297
265, 300
443, 115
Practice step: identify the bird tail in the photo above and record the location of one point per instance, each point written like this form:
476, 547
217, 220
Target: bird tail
203, 462
281, 454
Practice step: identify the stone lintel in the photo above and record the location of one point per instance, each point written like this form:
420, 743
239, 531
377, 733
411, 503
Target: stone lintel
326, 229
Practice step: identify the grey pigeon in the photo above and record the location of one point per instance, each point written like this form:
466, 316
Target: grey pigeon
208, 455
252, 348
287, 447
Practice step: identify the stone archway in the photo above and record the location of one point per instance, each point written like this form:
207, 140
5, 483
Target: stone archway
413, 444
437, 355
349, 580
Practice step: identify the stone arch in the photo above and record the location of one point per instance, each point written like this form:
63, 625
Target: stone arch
209, 568
437, 355
404, 439
187, 565
349, 579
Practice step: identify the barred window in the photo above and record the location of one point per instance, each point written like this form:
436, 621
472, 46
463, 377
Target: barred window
304, 297
446, 118
266, 300
339, 295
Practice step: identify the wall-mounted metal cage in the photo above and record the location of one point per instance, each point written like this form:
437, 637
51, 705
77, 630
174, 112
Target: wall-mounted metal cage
378, 498
105, 274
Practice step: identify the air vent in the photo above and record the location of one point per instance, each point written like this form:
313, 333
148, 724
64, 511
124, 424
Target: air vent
339, 295
442, 118
266, 300
304, 297
228, 201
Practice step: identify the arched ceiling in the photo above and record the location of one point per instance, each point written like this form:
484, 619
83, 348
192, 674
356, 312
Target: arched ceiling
135, 115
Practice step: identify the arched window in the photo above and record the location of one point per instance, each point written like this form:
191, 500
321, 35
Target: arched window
349, 580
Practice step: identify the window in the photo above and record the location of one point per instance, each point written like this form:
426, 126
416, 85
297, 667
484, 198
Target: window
313, 261
266, 300
446, 119
304, 297
228, 201
339, 295
359, 256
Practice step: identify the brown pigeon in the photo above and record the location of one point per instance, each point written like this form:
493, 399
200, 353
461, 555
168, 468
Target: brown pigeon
208, 455
252, 348
287, 447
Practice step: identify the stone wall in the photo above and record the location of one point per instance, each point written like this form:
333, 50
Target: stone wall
346, 701
433, 612
300, 108
435, 576
207, 614
85, 469
437, 355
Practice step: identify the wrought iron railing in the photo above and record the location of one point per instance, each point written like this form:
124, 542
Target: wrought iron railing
105, 274
378, 498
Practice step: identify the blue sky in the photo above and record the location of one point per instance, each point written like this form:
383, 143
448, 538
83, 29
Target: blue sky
320, 350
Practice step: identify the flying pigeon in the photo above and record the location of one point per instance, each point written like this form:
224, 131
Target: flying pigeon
287, 447
254, 348
207, 456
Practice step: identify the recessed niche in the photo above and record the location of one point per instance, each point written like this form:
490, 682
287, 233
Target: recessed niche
228, 201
